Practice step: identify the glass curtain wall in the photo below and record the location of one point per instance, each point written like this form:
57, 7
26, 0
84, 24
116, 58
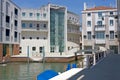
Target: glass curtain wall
57, 30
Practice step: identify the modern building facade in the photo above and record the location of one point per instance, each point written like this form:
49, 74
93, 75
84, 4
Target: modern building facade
10, 29
51, 29
99, 28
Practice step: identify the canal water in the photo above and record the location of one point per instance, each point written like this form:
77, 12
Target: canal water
27, 71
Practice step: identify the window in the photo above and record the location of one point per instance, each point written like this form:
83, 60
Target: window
84, 36
41, 49
44, 15
38, 14
16, 22
111, 34
33, 48
31, 14
44, 25
52, 49
16, 11
89, 35
30, 25
7, 32
30, 37
44, 38
68, 48
23, 14
100, 35
37, 37
99, 14
89, 14
7, 19
23, 25
23, 37
99, 23
111, 23
89, 23
15, 34
111, 13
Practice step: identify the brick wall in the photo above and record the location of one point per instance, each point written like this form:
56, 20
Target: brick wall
15, 49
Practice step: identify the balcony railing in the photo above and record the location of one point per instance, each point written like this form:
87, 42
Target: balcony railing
15, 27
73, 31
16, 16
7, 38
100, 27
100, 41
15, 39
8, 25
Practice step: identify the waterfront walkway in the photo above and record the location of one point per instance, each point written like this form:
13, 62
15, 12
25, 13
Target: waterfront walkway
107, 69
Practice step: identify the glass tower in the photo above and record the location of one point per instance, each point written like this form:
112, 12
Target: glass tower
57, 30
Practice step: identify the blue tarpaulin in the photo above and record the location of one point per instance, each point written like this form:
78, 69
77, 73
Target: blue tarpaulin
46, 75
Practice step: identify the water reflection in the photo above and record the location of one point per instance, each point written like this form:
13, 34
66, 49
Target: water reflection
27, 71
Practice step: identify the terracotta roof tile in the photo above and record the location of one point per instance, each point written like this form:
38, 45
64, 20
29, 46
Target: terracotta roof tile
99, 8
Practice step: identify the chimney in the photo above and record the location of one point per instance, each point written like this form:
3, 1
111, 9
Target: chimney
85, 6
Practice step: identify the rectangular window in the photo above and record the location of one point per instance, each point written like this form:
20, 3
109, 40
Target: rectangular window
111, 34
16, 11
44, 15
30, 25
7, 19
99, 14
111, 13
99, 23
33, 48
16, 23
52, 49
23, 25
89, 23
89, 35
23, 14
44, 25
88, 14
100, 35
7, 32
38, 14
111, 22
15, 34
31, 14
41, 49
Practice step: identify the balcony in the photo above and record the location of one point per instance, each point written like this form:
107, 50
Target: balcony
15, 39
100, 27
8, 25
73, 22
7, 38
16, 16
73, 31
15, 27
100, 41
35, 29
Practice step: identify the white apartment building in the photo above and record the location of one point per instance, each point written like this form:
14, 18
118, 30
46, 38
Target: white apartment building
99, 28
10, 29
52, 29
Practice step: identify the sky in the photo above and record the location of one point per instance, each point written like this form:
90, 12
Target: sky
75, 6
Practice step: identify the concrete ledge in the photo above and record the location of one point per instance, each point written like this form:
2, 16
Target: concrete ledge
47, 59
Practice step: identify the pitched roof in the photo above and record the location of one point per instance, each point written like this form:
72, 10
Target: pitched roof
100, 8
